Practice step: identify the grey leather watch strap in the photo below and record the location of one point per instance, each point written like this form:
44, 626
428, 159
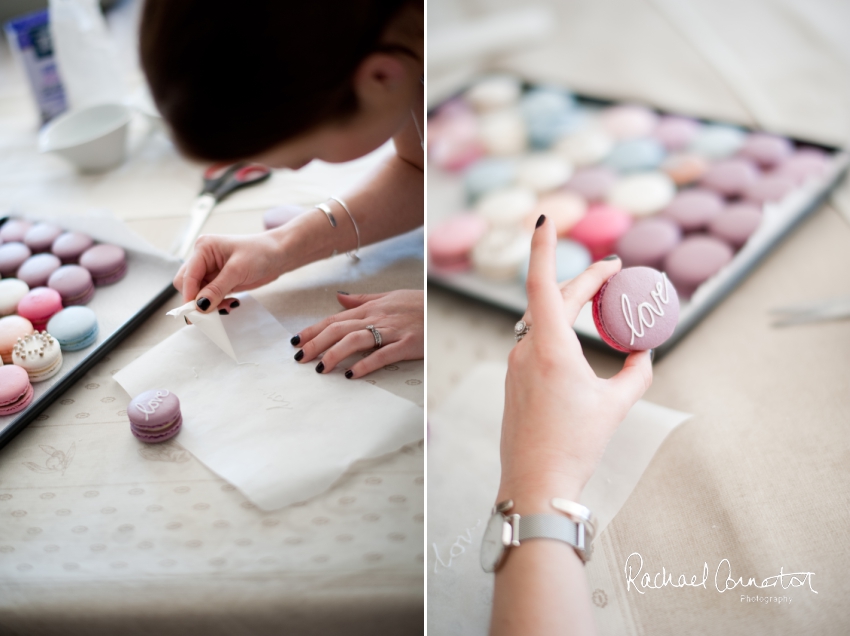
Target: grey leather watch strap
548, 527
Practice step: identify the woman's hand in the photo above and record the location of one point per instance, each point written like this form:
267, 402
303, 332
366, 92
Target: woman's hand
559, 416
221, 265
397, 315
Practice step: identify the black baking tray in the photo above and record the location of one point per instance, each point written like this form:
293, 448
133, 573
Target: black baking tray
511, 296
11, 427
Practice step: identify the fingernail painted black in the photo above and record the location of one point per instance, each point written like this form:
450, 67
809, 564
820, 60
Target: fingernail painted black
320, 367
203, 303
343, 293
611, 257
295, 340
540, 220
234, 304
223, 312
349, 374
186, 320
299, 355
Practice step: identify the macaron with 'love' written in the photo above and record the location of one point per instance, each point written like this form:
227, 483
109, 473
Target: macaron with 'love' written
155, 416
637, 309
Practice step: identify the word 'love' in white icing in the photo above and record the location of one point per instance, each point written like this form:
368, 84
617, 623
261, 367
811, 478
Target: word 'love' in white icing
646, 312
153, 404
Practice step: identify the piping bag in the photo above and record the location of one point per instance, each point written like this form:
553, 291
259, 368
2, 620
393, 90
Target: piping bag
209, 323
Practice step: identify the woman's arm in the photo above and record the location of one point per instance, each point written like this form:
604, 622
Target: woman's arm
558, 418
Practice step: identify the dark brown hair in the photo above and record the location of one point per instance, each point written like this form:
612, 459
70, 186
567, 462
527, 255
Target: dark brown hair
234, 79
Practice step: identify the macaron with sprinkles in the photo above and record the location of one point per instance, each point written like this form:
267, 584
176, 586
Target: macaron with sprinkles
74, 328
39, 355
155, 416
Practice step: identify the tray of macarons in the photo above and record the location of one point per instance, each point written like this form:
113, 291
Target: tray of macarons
701, 201
65, 301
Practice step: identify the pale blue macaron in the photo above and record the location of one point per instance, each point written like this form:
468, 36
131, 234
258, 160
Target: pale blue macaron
718, 141
571, 259
633, 155
489, 173
74, 328
549, 114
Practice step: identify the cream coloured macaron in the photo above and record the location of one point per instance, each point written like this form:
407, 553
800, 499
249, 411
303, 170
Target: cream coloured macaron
543, 172
39, 355
564, 208
507, 207
585, 147
496, 91
503, 132
643, 193
501, 253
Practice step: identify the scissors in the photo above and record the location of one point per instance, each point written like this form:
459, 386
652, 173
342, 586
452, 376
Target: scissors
219, 181
832, 309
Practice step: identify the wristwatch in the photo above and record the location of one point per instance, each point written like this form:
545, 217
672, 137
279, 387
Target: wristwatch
575, 526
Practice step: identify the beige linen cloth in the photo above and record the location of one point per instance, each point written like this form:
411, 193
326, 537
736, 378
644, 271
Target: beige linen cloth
147, 540
759, 475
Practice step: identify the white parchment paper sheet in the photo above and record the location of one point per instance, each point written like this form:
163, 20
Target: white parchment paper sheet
463, 479
275, 429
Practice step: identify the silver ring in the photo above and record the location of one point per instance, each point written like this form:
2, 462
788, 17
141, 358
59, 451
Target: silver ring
376, 335
521, 330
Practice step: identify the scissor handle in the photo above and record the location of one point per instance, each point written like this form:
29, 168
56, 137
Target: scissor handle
216, 174
243, 176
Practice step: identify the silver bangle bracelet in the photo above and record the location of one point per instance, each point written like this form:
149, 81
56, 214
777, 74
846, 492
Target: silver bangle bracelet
353, 254
328, 213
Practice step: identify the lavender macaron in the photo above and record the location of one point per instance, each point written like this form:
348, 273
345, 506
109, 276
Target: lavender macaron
40, 237
106, 263
70, 246
637, 309
694, 261
155, 416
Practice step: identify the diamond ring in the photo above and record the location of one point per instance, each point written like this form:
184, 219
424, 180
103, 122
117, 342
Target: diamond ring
521, 330
376, 335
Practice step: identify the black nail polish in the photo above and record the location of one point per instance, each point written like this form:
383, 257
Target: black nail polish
203, 303
540, 220
186, 320
349, 374
223, 312
320, 367
295, 340
343, 293
611, 257
234, 304
299, 355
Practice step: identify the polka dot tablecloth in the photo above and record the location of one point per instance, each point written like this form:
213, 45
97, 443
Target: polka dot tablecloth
84, 505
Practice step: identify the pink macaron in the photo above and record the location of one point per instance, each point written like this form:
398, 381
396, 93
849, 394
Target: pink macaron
155, 416
40, 237
70, 246
694, 208
676, 133
694, 261
766, 150
39, 305
648, 242
805, 164
601, 228
15, 390
730, 177
36, 270
769, 188
450, 243
637, 309
736, 223
74, 283
106, 263
592, 183
12, 256
14, 230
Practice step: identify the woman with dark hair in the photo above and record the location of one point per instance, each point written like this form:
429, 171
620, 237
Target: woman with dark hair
283, 83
